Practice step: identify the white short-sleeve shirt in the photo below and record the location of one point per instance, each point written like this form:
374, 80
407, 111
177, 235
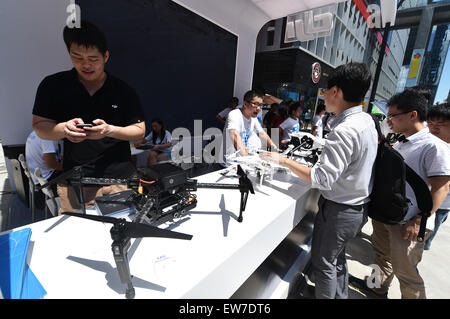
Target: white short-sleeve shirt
247, 128
428, 156
289, 126
317, 121
224, 113
167, 138
35, 148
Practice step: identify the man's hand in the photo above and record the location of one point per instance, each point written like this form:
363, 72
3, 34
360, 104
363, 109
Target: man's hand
273, 157
72, 133
410, 230
99, 131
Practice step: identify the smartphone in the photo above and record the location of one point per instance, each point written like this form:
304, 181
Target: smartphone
84, 125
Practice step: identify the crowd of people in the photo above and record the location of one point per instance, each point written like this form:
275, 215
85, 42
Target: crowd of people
96, 115
344, 176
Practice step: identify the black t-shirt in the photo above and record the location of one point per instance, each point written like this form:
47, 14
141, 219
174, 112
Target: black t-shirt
62, 97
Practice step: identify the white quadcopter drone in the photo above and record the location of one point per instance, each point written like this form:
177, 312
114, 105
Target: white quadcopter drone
255, 166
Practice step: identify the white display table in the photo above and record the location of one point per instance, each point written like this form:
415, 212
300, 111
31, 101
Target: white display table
72, 257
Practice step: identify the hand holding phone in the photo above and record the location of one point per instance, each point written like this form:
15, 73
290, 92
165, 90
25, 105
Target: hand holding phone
84, 125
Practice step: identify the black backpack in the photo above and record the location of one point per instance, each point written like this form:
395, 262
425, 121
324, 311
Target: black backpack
388, 202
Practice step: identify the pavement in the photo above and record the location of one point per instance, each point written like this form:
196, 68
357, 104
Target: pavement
433, 268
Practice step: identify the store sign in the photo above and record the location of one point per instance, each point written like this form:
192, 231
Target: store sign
316, 72
310, 24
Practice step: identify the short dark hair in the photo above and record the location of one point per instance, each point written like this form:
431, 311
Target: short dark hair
234, 100
88, 35
410, 100
426, 92
293, 107
353, 79
248, 97
439, 112
320, 108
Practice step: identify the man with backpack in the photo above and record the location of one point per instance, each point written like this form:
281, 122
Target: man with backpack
343, 176
397, 251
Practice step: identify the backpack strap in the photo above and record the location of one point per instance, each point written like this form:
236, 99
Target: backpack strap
423, 198
381, 138
420, 188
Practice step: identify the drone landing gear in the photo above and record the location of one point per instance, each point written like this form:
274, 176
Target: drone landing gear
244, 196
120, 252
245, 186
120, 247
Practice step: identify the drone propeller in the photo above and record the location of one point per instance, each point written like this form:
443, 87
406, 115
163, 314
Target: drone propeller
134, 230
68, 174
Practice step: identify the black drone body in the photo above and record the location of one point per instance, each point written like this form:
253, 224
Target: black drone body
160, 192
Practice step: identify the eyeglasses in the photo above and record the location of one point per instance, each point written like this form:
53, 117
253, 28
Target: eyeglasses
390, 116
254, 104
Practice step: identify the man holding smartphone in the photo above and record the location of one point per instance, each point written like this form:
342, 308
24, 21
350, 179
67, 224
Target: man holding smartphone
94, 112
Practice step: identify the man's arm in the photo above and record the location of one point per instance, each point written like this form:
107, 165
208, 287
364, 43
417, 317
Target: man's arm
439, 191
302, 171
237, 142
266, 138
220, 119
48, 129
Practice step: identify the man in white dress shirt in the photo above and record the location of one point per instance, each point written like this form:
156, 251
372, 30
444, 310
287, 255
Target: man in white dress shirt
343, 176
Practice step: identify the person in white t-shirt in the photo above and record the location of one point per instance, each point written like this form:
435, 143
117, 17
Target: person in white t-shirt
45, 154
291, 124
317, 124
243, 133
439, 125
222, 116
397, 251
161, 141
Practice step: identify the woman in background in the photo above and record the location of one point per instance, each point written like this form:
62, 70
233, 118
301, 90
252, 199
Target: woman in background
161, 141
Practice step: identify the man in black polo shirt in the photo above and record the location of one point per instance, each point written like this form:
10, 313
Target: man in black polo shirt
89, 95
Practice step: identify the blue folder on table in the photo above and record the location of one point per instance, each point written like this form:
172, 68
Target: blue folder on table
17, 281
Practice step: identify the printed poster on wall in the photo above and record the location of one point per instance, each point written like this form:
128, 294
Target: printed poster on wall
415, 67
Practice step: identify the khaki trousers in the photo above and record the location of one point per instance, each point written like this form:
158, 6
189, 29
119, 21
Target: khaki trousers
69, 201
397, 256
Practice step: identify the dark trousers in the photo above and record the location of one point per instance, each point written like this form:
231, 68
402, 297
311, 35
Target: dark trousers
334, 226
